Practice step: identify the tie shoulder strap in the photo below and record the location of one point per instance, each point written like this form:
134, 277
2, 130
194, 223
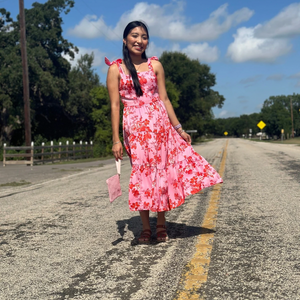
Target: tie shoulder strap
118, 62
109, 63
149, 62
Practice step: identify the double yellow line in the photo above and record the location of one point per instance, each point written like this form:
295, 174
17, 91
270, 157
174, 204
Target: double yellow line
196, 276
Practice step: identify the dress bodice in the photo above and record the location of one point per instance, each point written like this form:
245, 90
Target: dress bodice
148, 84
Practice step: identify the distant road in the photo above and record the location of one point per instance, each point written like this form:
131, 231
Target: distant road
60, 238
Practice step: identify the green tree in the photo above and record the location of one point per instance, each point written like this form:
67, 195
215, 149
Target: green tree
276, 113
237, 126
48, 70
10, 79
194, 82
296, 108
79, 106
101, 118
173, 93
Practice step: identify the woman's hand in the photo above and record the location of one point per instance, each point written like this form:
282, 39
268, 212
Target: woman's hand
186, 137
117, 150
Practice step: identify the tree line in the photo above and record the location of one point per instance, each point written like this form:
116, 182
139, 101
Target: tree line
276, 113
70, 103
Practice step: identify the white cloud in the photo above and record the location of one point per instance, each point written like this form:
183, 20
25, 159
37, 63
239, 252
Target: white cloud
202, 51
9, 28
153, 50
98, 56
276, 77
285, 24
90, 27
226, 114
266, 42
247, 47
165, 21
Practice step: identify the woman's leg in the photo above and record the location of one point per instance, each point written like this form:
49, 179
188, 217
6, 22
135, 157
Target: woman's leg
161, 231
161, 220
146, 233
145, 219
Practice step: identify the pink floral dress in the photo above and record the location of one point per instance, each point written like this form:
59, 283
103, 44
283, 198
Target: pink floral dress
165, 169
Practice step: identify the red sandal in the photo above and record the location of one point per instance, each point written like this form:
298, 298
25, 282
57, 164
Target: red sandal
162, 235
145, 237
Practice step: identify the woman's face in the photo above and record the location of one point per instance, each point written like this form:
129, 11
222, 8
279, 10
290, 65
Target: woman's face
137, 40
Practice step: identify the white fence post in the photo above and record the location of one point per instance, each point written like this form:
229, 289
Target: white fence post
74, 153
81, 155
51, 143
67, 149
32, 153
43, 145
59, 150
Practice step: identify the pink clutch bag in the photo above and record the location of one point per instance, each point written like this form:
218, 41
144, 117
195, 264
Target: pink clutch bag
113, 184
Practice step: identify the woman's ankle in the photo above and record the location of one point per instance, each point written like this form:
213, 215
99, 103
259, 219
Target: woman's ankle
161, 218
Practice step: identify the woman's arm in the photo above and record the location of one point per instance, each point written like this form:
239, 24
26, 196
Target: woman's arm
112, 82
160, 74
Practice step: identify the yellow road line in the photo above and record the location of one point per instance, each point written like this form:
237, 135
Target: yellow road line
197, 268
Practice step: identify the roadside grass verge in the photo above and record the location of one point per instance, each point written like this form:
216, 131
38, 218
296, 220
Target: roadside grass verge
68, 170
294, 141
14, 184
200, 141
84, 160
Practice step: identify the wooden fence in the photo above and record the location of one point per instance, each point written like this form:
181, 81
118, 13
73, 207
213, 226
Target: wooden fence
42, 154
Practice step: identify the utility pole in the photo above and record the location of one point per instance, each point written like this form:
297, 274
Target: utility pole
292, 116
27, 122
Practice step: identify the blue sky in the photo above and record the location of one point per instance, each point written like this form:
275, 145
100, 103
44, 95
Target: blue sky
252, 46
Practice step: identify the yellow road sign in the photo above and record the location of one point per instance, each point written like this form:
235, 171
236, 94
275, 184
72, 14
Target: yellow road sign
225, 133
261, 125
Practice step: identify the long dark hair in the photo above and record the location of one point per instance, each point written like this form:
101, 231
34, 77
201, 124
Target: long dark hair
127, 59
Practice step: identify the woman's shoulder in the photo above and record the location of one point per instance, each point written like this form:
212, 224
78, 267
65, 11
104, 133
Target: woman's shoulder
114, 65
156, 64
154, 61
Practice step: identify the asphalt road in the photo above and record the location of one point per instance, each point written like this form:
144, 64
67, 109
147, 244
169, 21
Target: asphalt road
60, 238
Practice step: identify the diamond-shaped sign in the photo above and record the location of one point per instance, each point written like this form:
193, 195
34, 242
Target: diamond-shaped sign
261, 125
225, 132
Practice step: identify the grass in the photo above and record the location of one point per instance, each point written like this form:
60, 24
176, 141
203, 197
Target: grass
70, 170
200, 141
85, 160
294, 141
14, 184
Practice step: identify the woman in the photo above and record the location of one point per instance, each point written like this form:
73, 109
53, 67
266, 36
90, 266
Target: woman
165, 168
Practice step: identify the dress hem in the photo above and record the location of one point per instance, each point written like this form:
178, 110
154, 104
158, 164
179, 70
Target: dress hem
188, 194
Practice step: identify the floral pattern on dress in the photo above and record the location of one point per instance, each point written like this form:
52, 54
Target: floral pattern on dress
165, 168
